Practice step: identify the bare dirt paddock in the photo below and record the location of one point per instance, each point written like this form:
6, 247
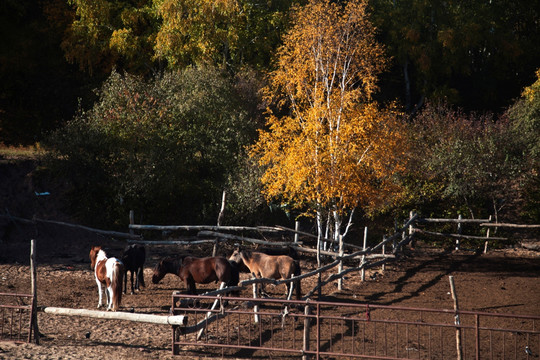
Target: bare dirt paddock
502, 281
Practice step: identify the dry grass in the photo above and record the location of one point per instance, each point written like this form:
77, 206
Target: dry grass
19, 152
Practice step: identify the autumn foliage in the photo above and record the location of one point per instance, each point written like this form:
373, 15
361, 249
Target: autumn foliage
336, 148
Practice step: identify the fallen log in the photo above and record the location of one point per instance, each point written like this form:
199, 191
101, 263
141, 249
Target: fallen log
118, 315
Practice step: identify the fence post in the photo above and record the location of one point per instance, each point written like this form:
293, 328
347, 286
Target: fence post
457, 320
222, 211
383, 267
214, 250
34, 318
340, 265
363, 271
307, 322
411, 230
255, 306
459, 230
296, 229
395, 232
487, 237
131, 221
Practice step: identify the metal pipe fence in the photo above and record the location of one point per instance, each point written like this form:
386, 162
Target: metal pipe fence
16, 317
330, 330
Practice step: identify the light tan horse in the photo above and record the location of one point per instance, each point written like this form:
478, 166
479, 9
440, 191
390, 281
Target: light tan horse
268, 266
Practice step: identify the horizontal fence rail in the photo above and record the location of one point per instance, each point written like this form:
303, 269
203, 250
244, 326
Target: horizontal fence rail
317, 329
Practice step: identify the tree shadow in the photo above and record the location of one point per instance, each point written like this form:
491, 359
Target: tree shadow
402, 281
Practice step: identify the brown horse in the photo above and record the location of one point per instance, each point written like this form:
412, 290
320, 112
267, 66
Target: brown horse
268, 266
192, 270
108, 272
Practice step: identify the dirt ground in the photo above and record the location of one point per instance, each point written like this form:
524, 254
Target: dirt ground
501, 281
504, 281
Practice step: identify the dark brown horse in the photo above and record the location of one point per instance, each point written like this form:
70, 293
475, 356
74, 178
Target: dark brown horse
192, 270
269, 266
133, 258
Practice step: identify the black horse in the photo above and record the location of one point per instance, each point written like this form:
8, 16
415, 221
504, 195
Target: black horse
133, 259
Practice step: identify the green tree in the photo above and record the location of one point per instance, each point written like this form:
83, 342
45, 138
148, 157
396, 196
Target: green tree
525, 119
464, 162
105, 34
163, 147
475, 54
148, 35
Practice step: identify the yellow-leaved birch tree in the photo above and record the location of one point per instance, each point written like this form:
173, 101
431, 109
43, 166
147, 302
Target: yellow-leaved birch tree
337, 149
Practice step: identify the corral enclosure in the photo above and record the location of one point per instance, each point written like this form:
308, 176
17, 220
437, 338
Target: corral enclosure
501, 281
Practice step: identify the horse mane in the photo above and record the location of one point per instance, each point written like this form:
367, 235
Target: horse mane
172, 263
248, 254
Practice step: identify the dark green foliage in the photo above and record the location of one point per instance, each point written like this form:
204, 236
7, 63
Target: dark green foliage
464, 163
163, 147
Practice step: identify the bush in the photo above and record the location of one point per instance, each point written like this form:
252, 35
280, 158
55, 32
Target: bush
463, 163
163, 147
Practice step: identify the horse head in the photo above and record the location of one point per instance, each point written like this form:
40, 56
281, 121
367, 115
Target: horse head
236, 256
159, 272
164, 267
237, 259
93, 255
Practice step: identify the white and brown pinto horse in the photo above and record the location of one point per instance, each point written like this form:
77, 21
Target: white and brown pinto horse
108, 272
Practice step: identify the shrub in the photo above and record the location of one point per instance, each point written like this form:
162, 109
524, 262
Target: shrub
163, 147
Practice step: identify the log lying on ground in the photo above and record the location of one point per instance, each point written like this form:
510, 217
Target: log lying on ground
146, 318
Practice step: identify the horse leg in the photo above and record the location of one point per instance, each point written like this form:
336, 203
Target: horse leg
261, 289
137, 288
100, 294
190, 285
108, 292
132, 290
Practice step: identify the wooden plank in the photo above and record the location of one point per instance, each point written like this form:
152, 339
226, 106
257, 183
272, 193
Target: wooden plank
428, 220
170, 242
522, 226
98, 231
458, 236
241, 238
204, 227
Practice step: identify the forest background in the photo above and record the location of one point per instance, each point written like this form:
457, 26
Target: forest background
154, 105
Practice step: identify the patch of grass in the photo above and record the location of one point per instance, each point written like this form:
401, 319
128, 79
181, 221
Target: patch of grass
19, 152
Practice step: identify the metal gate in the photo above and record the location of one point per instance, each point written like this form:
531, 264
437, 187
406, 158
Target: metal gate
346, 330
16, 316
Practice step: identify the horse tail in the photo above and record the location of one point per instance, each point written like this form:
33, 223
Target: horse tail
116, 284
141, 273
297, 284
